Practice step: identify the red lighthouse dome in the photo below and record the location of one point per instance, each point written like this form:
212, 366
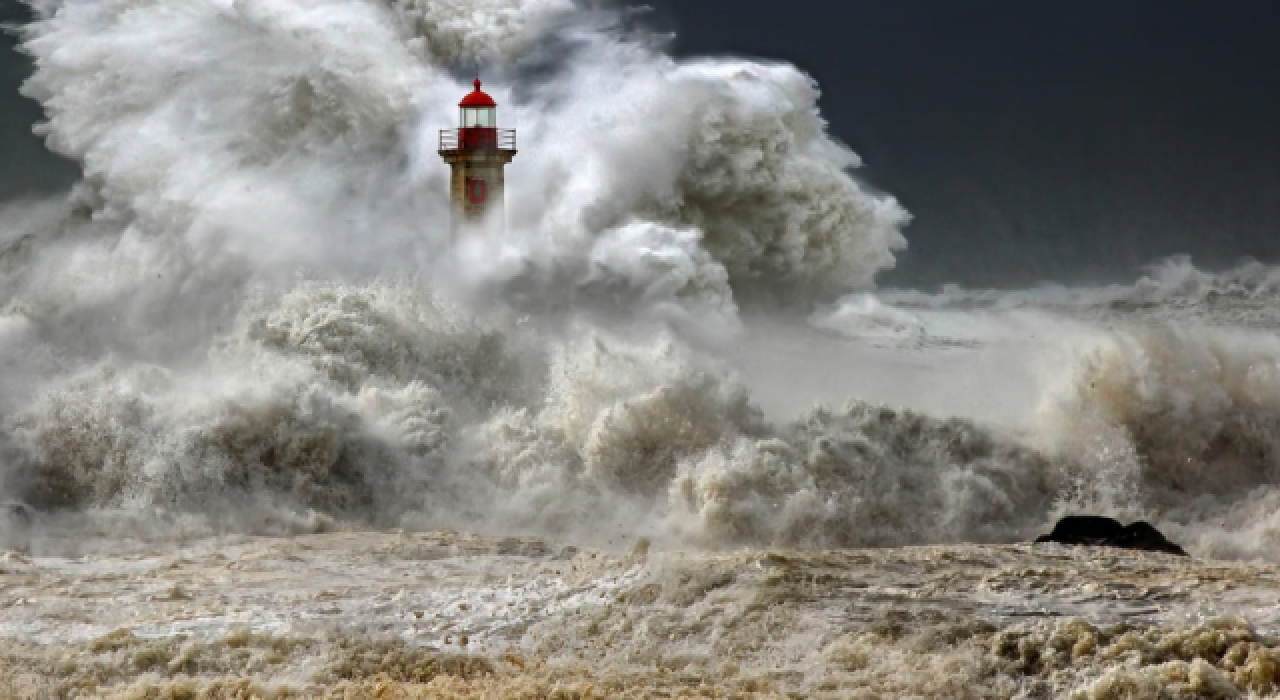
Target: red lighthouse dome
479, 98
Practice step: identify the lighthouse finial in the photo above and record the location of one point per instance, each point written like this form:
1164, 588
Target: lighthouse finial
478, 83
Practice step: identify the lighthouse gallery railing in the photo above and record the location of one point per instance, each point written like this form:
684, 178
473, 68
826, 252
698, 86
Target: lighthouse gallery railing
478, 139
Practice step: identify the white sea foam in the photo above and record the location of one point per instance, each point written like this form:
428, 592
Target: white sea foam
1173, 289
250, 312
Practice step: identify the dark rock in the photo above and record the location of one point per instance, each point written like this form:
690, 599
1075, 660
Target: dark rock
1094, 531
1141, 535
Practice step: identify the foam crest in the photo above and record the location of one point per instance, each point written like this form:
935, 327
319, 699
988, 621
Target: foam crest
1173, 289
865, 316
862, 477
379, 404
733, 149
665, 271
1190, 415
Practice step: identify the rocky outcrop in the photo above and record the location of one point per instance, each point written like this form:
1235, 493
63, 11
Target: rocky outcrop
1095, 531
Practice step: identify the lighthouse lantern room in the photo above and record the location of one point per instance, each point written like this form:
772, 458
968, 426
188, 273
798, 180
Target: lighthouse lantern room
478, 153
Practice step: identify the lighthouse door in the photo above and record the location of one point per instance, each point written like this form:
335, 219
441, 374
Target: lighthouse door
477, 191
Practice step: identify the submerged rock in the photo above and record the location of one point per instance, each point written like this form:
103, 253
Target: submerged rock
1095, 531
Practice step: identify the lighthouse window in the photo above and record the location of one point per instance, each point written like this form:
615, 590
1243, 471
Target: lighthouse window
479, 117
477, 190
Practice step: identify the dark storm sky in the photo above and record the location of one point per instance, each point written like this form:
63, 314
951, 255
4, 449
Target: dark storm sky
26, 168
1032, 139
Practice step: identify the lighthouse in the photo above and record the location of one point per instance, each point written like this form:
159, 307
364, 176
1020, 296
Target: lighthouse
478, 153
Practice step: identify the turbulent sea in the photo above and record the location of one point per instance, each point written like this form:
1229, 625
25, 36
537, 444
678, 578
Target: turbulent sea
268, 430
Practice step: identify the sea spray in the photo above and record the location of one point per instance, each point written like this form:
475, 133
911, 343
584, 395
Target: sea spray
251, 314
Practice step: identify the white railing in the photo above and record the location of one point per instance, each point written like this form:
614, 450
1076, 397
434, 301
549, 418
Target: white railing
478, 139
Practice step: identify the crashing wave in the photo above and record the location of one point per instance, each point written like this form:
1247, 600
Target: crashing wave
1173, 289
375, 403
303, 134
251, 311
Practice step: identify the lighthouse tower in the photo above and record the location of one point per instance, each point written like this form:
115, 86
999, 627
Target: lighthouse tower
478, 152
